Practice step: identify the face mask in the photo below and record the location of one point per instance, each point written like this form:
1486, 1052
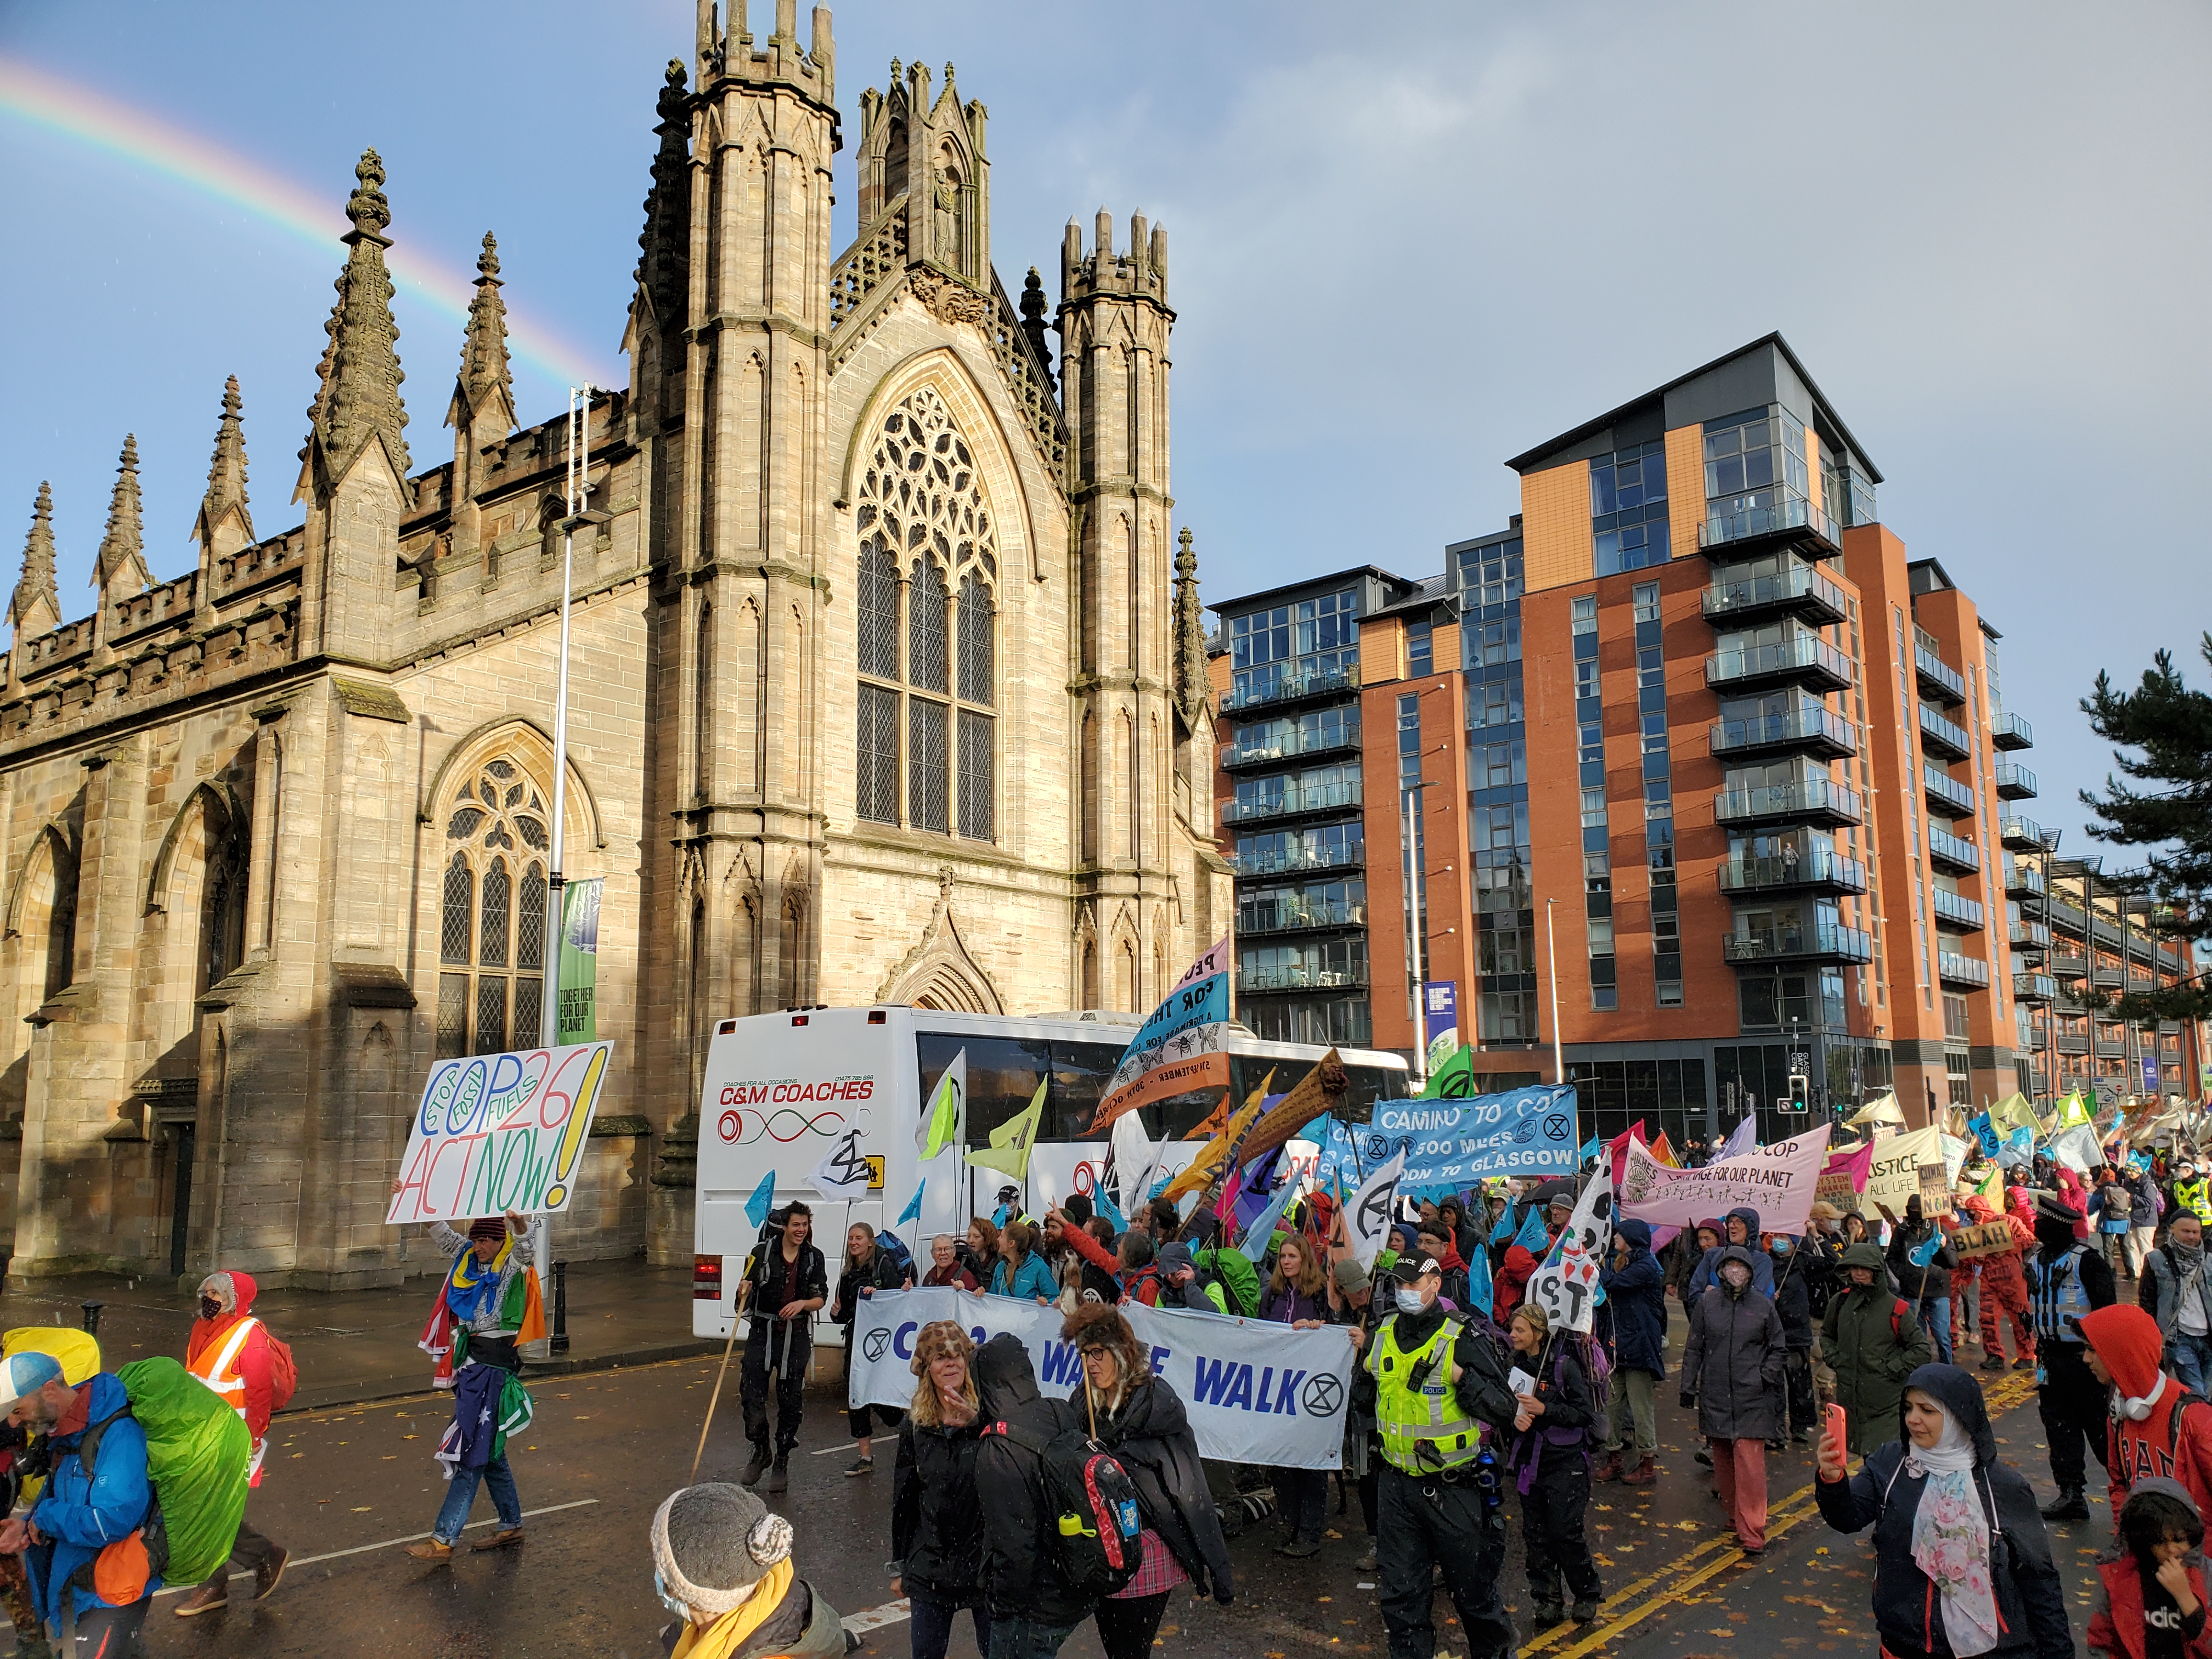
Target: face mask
1782, 1247
210, 1308
1409, 1300
661, 1589
1737, 1274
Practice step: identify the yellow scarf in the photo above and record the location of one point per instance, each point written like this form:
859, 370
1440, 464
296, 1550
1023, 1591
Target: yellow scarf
728, 1634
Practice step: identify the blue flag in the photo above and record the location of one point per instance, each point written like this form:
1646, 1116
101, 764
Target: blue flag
761, 1202
1263, 1227
1924, 1252
1502, 1232
1479, 1293
1534, 1237
913, 1211
1107, 1207
1591, 1148
1986, 1134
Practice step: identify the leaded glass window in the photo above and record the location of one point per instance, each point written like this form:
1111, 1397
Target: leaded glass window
922, 511
491, 934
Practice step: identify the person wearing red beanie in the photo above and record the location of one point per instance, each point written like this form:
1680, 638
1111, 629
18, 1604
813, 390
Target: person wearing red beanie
2158, 1427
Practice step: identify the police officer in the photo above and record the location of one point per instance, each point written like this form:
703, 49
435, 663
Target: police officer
1438, 1382
2065, 1280
2190, 1192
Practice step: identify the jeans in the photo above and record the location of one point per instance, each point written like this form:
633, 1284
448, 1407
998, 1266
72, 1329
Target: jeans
1015, 1637
1939, 1326
461, 1497
754, 1386
933, 1623
2193, 1360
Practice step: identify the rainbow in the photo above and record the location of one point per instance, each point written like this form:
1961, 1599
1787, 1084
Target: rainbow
138, 140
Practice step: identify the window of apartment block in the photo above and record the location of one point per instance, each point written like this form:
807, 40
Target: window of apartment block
1628, 508
1756, 477
1420, 653
1270, 650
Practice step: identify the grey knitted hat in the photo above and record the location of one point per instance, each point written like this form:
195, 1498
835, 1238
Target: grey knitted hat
713, 1541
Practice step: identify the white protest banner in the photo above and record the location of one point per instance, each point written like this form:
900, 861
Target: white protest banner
1367, 1218
1256, 1392
1567, 1288
1450, 1145
495, 1133
1893, 1177
1778, 1181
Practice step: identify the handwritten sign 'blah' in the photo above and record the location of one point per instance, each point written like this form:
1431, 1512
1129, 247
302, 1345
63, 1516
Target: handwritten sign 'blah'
495, 1132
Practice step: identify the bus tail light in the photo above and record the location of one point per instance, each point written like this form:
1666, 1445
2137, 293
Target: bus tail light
706, 1279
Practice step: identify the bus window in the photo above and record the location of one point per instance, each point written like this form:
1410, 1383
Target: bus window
1081, 1072
1002, 1076
1371, 1083
1177, 1116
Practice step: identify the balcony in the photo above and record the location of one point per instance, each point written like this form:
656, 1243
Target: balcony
2072, 1043
2035, 987
1799, 591
2020, 835
1959, 856
2030, 936
2108, 979
1826, 942
1946, 794
1827, 803
1970, 972
1958, 911
1818, 868
1291, 860
1300, 977
1293, 802
2022, 880
2067, 967
1811, 729
1236, 756
2015, 782
2010, 731
1747, 523
1947, 737
1806, 661
1938, 679
1292, 688
1304, 918
2109, 1049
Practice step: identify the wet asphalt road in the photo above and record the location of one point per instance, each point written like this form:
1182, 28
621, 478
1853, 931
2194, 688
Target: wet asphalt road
353, 1485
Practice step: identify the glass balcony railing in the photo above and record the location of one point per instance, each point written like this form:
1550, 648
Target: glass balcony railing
1760, 513
1961, 970
1947, 735
1829, 940
2068, 966
1300, 976
1805, 802
1799, 590
1937, 676
1944, 847
1819, 866
1814, 727
1303, 918
1321, 797
1289, 860
2011, 731
1258, 751
1288, 687
2023, 880
1945, 793
1958, 910
2030, 936
2022, 835
2035, 987
2015, 782
1805, 660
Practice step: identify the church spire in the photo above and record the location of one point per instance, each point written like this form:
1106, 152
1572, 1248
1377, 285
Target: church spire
121, 567
358, 400
1193, 687
484, 372
664, 245
35, 608
224, 525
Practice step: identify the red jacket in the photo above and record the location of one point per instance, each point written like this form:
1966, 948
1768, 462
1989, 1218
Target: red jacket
2117, 1626
207, 1340
2126, 1340
1513, 1278
1141, 1287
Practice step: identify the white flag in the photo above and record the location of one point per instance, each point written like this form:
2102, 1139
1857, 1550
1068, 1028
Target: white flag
843, 1171
1567, 1289
1134, 1158
1367, 1218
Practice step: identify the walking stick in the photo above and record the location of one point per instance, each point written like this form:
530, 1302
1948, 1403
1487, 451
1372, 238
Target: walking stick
737, 1320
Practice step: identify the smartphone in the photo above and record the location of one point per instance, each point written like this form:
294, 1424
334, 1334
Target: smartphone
1836, 1430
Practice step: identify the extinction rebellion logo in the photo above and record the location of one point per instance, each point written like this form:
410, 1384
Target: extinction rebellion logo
876, 1343
1323, 1396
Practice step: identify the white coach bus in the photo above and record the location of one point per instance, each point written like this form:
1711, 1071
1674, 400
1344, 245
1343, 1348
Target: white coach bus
782, 1089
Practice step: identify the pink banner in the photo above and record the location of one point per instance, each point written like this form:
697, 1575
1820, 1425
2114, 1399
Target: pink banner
1845, 1178
1776, 1181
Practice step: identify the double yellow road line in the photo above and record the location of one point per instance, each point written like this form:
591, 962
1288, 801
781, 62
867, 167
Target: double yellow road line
1633, 1603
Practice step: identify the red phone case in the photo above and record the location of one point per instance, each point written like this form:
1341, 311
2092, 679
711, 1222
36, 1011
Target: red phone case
1836, 1426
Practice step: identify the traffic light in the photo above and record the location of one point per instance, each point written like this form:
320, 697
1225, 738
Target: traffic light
1801, 1088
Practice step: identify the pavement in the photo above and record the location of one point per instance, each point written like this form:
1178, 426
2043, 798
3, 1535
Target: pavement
361, 1344
348, 1487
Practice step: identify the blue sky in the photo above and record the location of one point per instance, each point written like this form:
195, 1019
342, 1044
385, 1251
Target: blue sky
1405, 243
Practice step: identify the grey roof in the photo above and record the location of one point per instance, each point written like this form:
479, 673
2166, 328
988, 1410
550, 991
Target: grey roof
1329, 578
1433, 590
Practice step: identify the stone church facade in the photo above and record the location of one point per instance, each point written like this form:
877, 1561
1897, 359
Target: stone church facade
888, 685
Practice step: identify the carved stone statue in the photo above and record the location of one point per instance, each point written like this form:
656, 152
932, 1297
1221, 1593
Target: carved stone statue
947, 238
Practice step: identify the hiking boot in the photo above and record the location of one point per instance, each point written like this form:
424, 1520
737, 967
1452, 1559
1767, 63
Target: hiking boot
500, 1540
1546, 1614
1369, 1562
778, 1476
2069, 1506
1995, 1362
755, 1469
431, 1550
2025, 1362
1645, 1473
861, 1466
207, 1598
1298, 1548
267, 1574
1583, 1612
1607, 1468
1774, 1446
1704, 1458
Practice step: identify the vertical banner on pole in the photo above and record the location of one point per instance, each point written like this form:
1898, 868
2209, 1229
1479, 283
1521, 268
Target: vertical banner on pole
1440, 1020
580, 960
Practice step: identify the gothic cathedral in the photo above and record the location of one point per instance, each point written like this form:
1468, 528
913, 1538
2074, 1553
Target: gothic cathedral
884, 691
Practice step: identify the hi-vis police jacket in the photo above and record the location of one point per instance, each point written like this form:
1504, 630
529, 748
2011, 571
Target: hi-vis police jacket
1444, 1417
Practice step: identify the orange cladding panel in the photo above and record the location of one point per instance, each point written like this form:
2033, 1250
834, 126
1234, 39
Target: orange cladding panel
1555, 526
1685, 488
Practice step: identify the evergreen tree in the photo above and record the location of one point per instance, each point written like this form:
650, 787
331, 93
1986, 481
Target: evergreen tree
2162, 733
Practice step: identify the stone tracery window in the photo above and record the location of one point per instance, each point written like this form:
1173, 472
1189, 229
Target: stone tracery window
491, 930
929, 558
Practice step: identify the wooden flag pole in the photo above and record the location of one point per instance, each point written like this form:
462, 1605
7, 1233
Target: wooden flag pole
735, 1321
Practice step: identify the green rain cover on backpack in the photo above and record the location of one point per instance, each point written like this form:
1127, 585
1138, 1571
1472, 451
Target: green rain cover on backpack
197, 1453
1240, 1279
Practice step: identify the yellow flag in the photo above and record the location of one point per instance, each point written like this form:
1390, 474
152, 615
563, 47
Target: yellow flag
1013, 1141
1207, 1165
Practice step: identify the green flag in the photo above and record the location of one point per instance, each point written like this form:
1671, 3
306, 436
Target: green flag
1012, 1141
1454, 1079
575, 1018
941, 1123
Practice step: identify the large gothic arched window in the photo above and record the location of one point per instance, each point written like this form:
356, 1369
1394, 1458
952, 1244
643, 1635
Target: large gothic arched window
928, 616
491, 934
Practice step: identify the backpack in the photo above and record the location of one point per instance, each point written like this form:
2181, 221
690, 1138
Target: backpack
1597, 1367
197, 1453
120, 1572
894, 1246
1094, 1540
283, 1372
1238, 1278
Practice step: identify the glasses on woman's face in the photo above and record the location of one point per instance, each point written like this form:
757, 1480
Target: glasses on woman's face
1099, 1362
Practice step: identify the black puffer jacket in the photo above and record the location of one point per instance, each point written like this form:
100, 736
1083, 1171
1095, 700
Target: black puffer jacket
1736, 1360
937, 1522
1021, 1570
1907, 1612
1150, 1437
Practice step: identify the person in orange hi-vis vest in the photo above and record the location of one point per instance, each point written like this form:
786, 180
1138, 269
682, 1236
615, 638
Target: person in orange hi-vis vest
229, 1351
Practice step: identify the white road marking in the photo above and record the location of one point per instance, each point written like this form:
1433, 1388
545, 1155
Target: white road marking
411, 1538
876, 1617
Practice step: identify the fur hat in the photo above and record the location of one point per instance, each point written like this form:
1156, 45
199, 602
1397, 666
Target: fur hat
1098, 1326
938, 1339
713, 1543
